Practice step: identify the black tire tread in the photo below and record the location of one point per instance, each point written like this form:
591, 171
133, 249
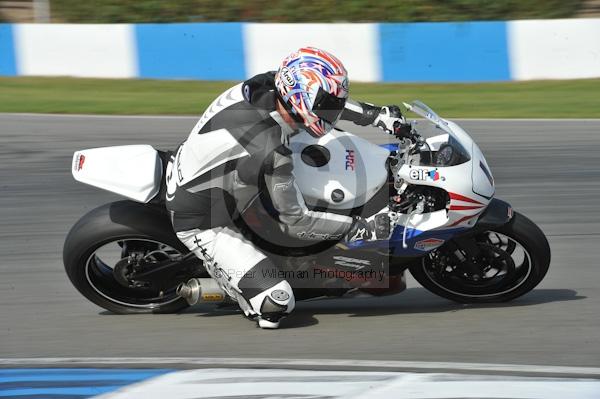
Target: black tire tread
110, 222
533, 240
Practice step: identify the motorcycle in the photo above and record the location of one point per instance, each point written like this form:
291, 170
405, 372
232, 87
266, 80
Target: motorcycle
447, 229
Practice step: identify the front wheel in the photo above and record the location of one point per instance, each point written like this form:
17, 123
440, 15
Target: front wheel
512, 260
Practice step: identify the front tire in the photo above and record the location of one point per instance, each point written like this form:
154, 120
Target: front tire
113, 226
518, 257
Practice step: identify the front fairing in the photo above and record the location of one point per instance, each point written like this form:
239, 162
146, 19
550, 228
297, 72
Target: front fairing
467, 180
482, 180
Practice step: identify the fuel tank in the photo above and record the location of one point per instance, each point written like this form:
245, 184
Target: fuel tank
338, 170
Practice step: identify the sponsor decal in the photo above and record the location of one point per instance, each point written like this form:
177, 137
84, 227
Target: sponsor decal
424, 174
351, 262
283, 186
350, 160
212, 297
428, 244
318, 236
79, 161
361, 234
287, 77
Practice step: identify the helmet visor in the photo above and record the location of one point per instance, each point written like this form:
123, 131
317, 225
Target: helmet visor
328, 107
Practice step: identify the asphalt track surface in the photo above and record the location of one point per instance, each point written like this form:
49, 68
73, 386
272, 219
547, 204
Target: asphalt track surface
548, 170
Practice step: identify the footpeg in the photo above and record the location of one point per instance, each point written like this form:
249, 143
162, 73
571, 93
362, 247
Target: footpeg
201, 290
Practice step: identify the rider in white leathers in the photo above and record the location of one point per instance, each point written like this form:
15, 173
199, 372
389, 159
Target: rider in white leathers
240, 141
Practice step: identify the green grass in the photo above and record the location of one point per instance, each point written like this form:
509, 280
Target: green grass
539, 99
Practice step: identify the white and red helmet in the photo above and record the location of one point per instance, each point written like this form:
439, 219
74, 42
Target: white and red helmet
313, 84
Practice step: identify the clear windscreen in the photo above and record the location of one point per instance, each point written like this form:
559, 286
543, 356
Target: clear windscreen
443, 146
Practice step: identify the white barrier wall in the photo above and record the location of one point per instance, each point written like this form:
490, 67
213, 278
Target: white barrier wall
554, 49
103, 51
357, 45
372, 52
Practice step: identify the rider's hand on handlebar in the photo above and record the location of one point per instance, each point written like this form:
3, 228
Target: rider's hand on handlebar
402, 130
376, 227
388, 117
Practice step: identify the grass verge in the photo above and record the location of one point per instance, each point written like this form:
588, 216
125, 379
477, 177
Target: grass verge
536, 99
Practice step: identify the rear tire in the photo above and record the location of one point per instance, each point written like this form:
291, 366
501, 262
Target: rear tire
112, 223
521, 232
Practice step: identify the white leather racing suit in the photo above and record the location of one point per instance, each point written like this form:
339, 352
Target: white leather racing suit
240, 142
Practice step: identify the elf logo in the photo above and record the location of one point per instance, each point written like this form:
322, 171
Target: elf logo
424, 174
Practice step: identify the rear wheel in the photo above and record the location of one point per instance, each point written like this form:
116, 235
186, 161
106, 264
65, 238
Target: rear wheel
513, 259
107, 252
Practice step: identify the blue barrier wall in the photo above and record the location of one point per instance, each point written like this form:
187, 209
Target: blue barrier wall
396, 52
444, 52
8, 65
208, 51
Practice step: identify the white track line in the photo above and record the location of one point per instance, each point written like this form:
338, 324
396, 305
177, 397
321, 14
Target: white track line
28, 114
35, 115
304, 363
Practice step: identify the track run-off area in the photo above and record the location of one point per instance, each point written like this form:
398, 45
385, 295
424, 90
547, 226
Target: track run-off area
547, 169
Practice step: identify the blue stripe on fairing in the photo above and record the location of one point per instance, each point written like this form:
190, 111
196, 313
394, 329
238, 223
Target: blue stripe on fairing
444, 51
209, 51
70, 382
389, 146
412, 237
8, 65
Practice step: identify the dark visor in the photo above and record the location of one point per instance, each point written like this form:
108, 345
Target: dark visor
328, 107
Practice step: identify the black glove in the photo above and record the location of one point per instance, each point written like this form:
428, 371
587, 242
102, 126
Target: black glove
402, 130
376, 227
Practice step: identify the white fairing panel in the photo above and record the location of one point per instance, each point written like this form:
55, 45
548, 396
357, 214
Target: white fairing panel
356, 170
483, 182
133, 171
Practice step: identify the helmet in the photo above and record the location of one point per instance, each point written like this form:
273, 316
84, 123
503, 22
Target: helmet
313, 86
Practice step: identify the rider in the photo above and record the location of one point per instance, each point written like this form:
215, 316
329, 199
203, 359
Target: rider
242, 140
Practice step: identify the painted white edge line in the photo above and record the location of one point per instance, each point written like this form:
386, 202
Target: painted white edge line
99, 116
27, 114
283, 363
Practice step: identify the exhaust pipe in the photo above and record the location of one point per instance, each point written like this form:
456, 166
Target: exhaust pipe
201, 290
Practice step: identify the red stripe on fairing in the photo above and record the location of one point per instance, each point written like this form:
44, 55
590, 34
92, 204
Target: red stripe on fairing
459, 221
464, 207
459, 197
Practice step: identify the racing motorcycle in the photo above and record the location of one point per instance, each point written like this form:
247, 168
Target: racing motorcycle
447, 229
